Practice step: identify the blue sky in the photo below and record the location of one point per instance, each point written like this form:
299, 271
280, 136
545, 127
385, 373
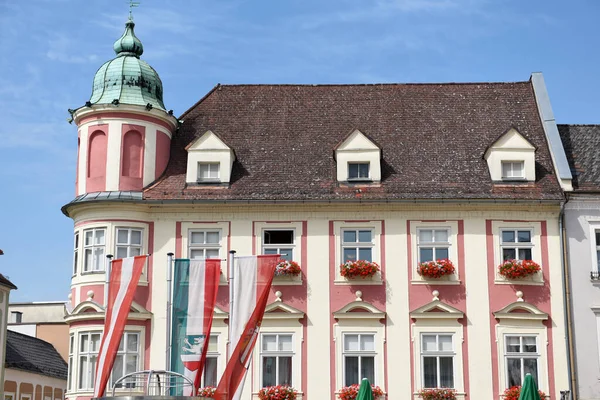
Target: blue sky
52, 48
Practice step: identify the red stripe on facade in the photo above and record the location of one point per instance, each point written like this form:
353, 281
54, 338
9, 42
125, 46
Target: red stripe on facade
133, 149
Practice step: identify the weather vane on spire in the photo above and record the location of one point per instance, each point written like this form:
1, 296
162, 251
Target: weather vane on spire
132, 4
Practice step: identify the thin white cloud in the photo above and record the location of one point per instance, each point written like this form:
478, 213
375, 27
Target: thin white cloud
63, 49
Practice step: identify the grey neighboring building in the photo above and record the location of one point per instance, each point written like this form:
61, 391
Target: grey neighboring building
582, 223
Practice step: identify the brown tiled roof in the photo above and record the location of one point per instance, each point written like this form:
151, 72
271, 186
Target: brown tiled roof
5, 282
582, 146
433, 137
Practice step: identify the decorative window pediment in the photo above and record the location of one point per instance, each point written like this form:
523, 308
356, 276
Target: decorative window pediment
220, 314
359, 310
279, 310
521, 310
436, 310
358, 159
511, 158
88, 310
209, 160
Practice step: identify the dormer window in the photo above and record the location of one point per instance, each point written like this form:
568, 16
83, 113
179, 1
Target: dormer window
208, 172
513, 170
358, 171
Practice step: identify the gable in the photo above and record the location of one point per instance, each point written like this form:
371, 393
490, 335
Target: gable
208, 141
436, 309
356, 140
511, 140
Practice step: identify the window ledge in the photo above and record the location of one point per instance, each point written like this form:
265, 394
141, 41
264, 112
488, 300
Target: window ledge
358, 281
432, 282
287, 280
516, 282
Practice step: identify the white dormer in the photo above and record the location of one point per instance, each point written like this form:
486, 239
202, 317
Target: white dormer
511, 158
358, 159
209, 160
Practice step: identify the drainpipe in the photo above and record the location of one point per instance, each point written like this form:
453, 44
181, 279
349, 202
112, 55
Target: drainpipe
564, 247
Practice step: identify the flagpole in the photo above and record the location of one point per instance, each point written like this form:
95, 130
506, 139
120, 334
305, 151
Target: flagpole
109, 258
169, 305
231, 291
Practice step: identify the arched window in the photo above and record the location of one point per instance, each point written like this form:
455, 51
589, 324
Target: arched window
97, 155
131, 165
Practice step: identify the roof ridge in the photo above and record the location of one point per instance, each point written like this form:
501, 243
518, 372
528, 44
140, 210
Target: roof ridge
366, 84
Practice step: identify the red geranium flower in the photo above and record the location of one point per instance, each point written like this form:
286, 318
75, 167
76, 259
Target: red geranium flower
285, 267
279, 392
514, 269
436, 269
438, 394
362, 268
350, 392
513, 393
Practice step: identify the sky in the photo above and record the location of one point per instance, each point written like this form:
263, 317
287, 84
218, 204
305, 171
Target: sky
52, 48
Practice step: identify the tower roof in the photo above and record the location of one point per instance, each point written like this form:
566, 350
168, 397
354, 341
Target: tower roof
126, 79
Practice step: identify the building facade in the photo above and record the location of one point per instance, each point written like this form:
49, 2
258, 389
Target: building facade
582, 226
5, 287
324, 174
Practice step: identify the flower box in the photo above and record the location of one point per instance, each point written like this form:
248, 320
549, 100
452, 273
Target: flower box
514, 392
359, 268
279, 392
438, 394
436, 269
350, 392
515, 269
207, 392
287, 268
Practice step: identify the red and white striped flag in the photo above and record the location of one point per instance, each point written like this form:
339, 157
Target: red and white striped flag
124, 277
253, 276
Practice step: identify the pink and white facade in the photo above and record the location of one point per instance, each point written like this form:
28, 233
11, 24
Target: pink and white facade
394, 174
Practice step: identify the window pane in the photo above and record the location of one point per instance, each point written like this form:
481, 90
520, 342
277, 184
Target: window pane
87, 260
529, 344
99, 259
120, 349
367, 342
121, 252
349, 254
83, 343
524, 254
441, 235
196, 253
136, 237
597, 238
210, 372
285, 343
212, 237
351, 371
89, 235
83, 371
95, 342
363, 170
524, 236
197, 238
364, 236
429, 343
286, 254
131, 365
117, 370
99, 237
135, 251
279, 237
350, 236
513, 371
132, 342
212, 253
446, 372
271, 251
429, 372
365, 254
509, 254
268, 370
425, 235
441, 253
285, 371
530, 366
122, 236
352, 170
425, 254
270, 342
213, 343
508, 236
367, 368
513, 344
506, 169
76, 245
445, 342
351, 343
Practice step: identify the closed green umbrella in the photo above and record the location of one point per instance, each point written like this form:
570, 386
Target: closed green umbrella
529, 390
365, 392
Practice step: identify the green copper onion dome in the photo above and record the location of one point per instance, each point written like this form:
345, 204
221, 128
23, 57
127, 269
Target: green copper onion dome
126, 78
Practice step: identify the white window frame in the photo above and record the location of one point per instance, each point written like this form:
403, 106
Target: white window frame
223, 227
214, 171
376, 229
204, 246
520, 356
76, 243
594, 226
433, 244
92, 359
516, 244
536, 250
71, 363
9, 396
511, 176
278, 247
124, 353
360, 354
102, 263
452, 228
297, 253
139, 248
16, 317
358, 244
26, 396
437, 354
523, 328
213, 355
359, 178
276, 354
442, 327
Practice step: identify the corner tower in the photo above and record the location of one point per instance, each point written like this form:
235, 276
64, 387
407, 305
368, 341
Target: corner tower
124, 130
